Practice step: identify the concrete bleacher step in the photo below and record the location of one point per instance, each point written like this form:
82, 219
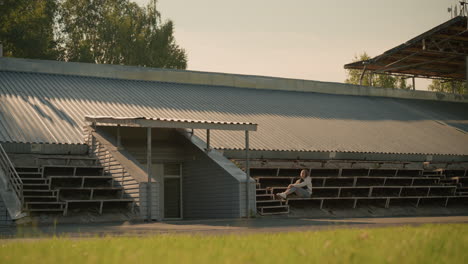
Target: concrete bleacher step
29, 175
44, 205
28, 169
273, 210
35, 186
34, 181
263, 197
32, 192
270, 203
261, 191
38, 198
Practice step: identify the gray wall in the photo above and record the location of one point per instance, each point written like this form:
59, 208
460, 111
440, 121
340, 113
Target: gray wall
4, 216
209, 190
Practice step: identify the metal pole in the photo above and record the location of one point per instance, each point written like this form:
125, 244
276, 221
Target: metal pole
362, 74
466, 59
207, 140
414, 83
148, 170
247, 173
119, 139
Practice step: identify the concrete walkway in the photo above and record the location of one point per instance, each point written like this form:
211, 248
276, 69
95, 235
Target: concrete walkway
221, 226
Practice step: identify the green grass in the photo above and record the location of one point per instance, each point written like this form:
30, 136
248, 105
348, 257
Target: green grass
424, 244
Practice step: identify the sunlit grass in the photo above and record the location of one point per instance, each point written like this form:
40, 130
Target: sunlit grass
424, 244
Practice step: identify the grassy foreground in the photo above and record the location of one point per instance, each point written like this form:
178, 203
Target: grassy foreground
424, 244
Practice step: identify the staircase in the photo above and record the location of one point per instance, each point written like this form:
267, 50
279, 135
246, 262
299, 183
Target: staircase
267, 204
61, 184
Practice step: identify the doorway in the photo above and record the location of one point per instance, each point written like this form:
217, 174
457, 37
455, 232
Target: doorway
172, 191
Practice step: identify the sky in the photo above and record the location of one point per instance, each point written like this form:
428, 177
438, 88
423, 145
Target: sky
305, 39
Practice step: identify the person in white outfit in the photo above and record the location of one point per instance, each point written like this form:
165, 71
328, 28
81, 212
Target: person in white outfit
302, 188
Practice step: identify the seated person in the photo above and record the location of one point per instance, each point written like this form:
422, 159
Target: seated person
302, 187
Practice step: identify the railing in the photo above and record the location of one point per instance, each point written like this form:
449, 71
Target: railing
13, 179
104, 153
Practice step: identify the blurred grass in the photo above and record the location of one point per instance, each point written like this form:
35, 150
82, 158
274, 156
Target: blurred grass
446, 243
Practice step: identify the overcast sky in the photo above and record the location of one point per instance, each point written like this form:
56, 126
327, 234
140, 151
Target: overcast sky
307, 39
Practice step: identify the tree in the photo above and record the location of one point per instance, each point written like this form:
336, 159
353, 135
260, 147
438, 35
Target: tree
378, 80
446, 87
27, 28
118, 32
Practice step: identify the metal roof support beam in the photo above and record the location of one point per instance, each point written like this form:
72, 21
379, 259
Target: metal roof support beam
208, 140
119, 138
149, 163
247, 174
362, 75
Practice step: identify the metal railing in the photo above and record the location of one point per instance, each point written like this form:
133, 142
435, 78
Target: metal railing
13, 179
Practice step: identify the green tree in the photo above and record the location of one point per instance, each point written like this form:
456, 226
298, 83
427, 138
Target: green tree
446, 87
118, 32
378, 80
27, 28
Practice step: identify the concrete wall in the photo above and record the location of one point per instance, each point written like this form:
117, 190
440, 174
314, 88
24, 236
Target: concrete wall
217, 79
4, 215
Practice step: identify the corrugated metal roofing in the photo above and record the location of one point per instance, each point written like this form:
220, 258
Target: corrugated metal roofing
173, 122
46, 108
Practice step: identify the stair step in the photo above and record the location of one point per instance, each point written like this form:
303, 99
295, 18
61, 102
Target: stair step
26, 169
46, 210
30, 175
33, 186
263, 197
269, 203
274, 210
37, 198
262, 191
44, 205
28, 192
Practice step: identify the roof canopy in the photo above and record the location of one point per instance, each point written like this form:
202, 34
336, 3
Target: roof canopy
169, 123
439, 53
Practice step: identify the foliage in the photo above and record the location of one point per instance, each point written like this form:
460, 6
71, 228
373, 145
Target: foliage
406, 244
27, 28
96, 31
446, 87
378, 80
118, 32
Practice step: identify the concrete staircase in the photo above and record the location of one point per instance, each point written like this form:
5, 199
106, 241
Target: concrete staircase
61, 184
267, 204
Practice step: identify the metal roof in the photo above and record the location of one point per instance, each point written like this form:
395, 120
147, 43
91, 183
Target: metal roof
170, 123
47, 108
438, 53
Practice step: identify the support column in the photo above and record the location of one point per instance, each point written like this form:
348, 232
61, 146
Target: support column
414, 83
466, 76
362, 75
247, 174
119, 138
207, 140
149, 164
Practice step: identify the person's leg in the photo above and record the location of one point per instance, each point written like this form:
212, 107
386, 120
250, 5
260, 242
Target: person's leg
291, 190
302, 193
